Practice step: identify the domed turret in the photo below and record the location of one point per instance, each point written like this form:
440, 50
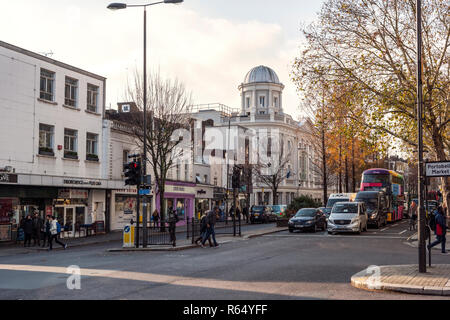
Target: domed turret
261, 93
261, 74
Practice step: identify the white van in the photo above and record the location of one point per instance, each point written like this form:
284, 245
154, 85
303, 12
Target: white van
338, 197
348, 217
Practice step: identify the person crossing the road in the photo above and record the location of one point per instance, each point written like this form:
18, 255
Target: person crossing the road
441, 230
210, 223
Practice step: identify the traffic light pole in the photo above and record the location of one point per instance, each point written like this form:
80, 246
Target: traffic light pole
138, 217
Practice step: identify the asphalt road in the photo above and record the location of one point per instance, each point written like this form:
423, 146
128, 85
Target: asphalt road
278, 266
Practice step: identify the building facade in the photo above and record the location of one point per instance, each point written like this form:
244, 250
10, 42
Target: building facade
51, 141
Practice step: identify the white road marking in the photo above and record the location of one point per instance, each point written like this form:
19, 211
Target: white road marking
268, 287
334, 236
403, 232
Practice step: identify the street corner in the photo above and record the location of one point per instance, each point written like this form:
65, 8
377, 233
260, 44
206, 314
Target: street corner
404, 279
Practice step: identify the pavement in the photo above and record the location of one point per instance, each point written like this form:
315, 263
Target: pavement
184, 243
405, 279
117, 236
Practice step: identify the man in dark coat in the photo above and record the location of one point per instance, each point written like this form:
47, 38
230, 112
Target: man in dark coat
37, 226
210, 222
28, 230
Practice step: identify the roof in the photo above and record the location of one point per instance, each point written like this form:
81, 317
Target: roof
261, 74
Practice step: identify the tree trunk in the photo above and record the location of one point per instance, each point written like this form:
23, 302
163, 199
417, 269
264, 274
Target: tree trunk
324, 169
340, 165
162, 207
353, 167
346, 175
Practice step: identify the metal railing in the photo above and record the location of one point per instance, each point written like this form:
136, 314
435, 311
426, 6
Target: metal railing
225, 227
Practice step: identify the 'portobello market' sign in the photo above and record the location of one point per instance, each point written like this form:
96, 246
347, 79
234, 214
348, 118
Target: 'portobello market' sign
437, 169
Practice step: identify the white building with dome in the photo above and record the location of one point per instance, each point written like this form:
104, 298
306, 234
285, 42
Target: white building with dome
261, 112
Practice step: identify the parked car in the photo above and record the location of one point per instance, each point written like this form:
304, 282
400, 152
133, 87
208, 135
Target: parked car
376, 206
348, 217
279, 210
259, 214
308, 219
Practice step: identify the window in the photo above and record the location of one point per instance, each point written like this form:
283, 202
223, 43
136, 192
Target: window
70, 142
206, 179
45, 138
262, 101
125, 156
186, 172
269, 147
215, 181
71, 91
247, 102
92, 98
47, 85
91, 145
178, 172
275, 102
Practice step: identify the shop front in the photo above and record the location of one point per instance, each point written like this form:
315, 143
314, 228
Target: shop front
203, 200
16, 202
123, 208
179, 196
80, 211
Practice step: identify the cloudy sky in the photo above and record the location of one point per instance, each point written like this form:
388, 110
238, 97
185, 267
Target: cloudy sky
210, 45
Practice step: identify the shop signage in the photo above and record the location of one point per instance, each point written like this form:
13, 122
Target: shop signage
83, 182
201, 192
48, 210
437, 169
73, 194
8, 178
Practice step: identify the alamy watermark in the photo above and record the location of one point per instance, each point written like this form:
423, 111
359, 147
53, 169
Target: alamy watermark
74, 280
374, 281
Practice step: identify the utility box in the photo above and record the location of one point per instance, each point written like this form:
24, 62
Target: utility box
128, 236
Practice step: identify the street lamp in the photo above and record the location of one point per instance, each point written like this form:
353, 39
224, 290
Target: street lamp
117, 6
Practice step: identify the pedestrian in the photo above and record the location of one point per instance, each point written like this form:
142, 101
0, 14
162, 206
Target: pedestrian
441, 230
231, 212
37, 226
28, 230
55, 230
46, 231
238, 213
245, 213
210, 223
173, 219
413, 216
203, 230
155, 216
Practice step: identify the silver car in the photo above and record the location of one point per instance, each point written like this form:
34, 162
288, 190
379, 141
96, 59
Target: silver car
348, 217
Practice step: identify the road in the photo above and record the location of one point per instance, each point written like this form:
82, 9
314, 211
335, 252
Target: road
277, 266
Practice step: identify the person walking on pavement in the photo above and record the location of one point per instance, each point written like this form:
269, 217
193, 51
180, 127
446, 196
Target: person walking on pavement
413, 216
173, 219
37, 226
155, 218
245, 213
46, 231
28, 230
54, 233
203, 230
441, 230
210, 223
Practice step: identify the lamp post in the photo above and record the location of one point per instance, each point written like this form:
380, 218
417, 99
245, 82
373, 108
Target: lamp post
420, 190
118, 6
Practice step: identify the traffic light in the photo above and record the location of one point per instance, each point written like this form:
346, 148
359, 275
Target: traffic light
132, 171
236, 178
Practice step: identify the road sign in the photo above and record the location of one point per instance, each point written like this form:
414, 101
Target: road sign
144, 192
437, 169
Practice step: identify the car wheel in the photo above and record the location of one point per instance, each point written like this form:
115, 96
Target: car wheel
291, 230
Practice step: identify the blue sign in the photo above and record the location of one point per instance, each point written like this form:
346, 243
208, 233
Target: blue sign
144, 192
127, 229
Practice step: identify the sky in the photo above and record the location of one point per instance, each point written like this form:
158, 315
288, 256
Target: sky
209, 45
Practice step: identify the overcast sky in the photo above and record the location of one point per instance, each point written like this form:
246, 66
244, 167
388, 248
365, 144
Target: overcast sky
210, 45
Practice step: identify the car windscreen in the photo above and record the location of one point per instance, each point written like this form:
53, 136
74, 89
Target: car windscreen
345, 208
306, 213
331, 202
258, 209
371, 203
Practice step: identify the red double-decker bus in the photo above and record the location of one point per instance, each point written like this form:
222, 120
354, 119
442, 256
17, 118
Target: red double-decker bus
392, 184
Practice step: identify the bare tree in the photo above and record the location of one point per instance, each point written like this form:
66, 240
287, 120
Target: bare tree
168, 123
